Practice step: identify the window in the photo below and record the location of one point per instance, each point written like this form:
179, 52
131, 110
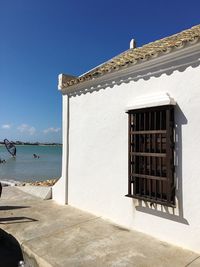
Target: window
151, 155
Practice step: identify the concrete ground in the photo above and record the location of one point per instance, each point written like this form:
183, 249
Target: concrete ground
53, 235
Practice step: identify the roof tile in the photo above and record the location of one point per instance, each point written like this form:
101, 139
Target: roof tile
133, 55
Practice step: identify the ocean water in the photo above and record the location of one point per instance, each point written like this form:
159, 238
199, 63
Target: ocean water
26, 168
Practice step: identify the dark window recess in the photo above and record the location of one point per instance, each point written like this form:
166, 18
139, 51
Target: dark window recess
151, 155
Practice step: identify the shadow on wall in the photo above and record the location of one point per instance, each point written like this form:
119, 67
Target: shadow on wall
174, 214
167, 68
10, 250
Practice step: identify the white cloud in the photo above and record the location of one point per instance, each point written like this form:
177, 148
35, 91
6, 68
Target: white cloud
6, 126
25, 128
51, 130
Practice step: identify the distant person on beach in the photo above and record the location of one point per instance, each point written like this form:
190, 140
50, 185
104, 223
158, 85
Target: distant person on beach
36, 156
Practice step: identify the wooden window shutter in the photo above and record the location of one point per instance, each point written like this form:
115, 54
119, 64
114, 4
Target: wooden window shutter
151, 155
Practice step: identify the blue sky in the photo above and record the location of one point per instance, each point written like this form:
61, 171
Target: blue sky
41, 38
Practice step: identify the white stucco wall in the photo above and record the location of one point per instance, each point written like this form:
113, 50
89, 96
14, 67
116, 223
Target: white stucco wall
95, 146
60, 189
98, 157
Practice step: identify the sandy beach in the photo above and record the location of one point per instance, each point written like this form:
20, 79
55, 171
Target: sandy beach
49, 182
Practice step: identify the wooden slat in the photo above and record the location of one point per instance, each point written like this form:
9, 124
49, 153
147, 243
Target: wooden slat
154, 158
168, 153
140, 149
149, 132
145, 149
145, 154
152, 177
129, 156
134, 149
144, 134
149, 158
160, 159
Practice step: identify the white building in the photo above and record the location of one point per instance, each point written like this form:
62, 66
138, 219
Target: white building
131, 126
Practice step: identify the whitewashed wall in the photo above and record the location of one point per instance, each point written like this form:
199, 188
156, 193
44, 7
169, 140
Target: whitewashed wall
98, 157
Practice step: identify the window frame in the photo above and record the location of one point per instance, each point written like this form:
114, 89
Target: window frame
146, 184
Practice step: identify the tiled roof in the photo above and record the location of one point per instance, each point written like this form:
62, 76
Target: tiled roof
134, 55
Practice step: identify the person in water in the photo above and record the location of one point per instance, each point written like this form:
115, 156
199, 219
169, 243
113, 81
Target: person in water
36, 156
2, 160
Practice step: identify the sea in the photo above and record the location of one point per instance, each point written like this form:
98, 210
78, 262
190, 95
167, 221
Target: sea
25, 168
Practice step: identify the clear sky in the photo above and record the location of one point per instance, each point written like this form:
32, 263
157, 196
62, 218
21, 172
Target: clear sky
41, 38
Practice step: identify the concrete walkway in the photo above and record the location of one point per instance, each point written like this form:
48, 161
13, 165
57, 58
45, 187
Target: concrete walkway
62, 236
